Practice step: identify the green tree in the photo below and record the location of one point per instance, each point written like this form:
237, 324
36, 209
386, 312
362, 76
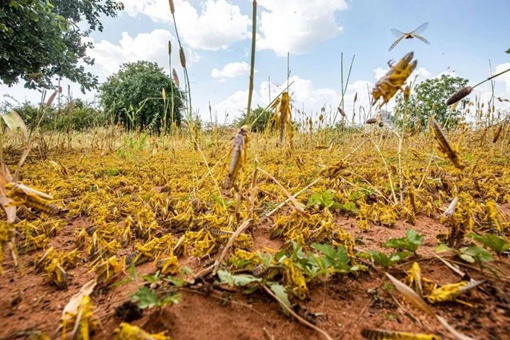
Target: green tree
259, 119
429, 98
133, 96
41, 40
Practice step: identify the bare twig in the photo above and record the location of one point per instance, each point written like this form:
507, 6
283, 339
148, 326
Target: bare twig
297, 206
299, 319
246, 224
293, 196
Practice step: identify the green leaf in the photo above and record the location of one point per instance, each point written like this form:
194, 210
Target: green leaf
467, 258
132, 276
152, 278
508, 51
335, 205
349, 207
236, 280
414, 238
281, 292
442, 248
146, 298
479, 254
170, 299
494, 242
396, 257
338, 259
382, 259
314, 199
411, 242
326, 249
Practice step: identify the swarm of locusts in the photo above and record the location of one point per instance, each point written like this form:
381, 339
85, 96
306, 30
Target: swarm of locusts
125, 209
102, 212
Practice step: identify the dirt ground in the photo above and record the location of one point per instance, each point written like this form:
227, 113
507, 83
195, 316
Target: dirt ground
345, 305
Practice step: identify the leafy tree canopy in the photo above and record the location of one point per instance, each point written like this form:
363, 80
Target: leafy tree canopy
134, 97
40, 40
258, 120
429, 98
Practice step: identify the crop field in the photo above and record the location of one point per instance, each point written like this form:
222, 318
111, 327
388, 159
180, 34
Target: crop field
299, 247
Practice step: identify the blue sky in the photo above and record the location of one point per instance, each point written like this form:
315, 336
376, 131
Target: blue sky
464, 36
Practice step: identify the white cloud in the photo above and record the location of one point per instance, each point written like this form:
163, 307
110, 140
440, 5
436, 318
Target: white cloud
231, 70
151, 46
504, 78
218, 24
296, 26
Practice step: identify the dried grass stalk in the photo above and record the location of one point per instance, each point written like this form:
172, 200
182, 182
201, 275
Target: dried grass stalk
182, 56
176, 78
411, 296
172, 7
463, 92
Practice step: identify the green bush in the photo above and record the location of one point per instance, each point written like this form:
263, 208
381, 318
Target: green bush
133, 97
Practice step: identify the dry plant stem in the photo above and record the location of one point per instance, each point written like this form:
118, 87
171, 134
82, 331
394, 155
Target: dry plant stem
293, 196
267, 335
246, 224
401, 175
432, 154
297, 206
344, 89
491, 77
252, 60
416, 300
354, 150
181, 50
253, 196
24, 156
300, 319
387, 171
406, 312
449, 265
370, 184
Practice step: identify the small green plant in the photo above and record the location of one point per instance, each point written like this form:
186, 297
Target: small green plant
336, 258
497, 243
180, 281
383, 259
148, 297
237, 280
325, 199
469, 254
132, 276
410, 242
221, 201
